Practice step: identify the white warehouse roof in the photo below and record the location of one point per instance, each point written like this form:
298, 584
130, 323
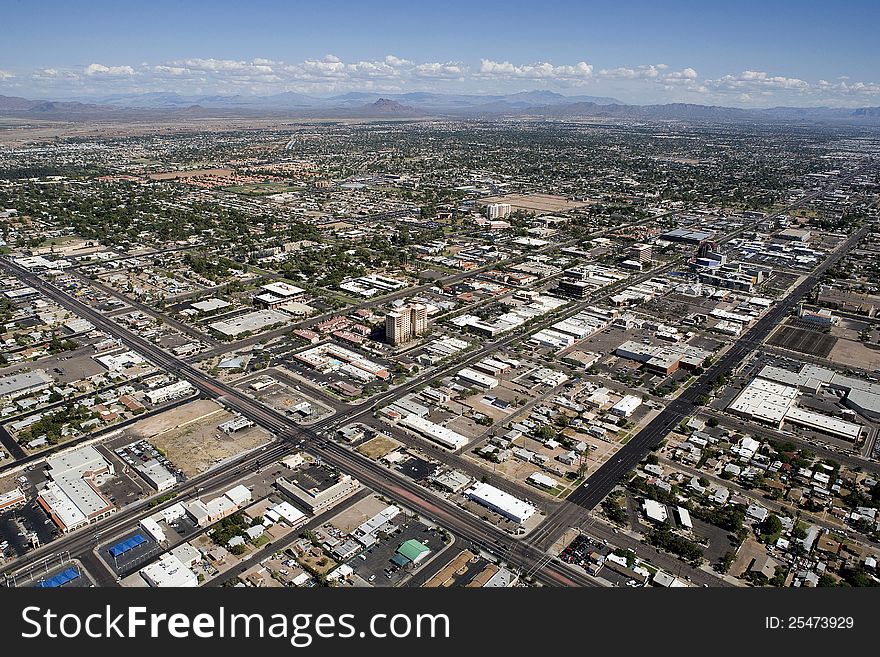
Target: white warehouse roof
504, 503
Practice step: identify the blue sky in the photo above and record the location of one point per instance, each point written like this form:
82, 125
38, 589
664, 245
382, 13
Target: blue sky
746, 53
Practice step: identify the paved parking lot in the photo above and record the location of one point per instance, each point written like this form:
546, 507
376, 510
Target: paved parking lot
375, 566
132, 560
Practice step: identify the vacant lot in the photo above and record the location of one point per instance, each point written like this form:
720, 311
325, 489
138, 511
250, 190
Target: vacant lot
537, 203
856, 354
357, 514
190, 439
378, 447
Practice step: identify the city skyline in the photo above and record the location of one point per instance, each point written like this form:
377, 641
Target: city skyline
636, 54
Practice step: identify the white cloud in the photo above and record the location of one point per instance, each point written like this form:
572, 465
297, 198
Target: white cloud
647, 83
538, 71
101, 69
449, 70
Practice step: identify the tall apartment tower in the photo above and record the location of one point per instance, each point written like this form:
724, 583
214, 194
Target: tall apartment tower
418, 319
398, 329
406, 323
497, 210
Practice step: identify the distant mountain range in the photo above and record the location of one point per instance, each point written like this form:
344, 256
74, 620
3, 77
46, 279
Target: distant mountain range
543, 104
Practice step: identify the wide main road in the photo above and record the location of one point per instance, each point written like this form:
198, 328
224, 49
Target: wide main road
607, 476
463, 524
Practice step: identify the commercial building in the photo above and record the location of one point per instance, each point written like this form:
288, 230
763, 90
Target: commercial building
72, 497
277, 293
12, 499
435, 432
860, 395
626, 406
235, 424
764, 401
664, 359
541, 480
206, 513
654, 511
151, 527
330, 357
478, 379
824, 423
175, 390
774, 403
157, 475
854, 302
687, 236
210, 305
640, 253
406, 323
248, 323
318, 489
169, 572
735, 276
287, 512
410, 552
497, 500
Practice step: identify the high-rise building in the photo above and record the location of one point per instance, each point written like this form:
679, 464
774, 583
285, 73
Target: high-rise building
418, 318
397, 327
640, 252
406, 323
497, 210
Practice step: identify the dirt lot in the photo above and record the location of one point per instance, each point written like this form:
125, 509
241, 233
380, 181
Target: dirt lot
855, 354
535, 202
357, 514
188, 436
378, 447
316, 561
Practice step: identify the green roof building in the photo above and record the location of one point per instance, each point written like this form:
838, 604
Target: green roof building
412, 551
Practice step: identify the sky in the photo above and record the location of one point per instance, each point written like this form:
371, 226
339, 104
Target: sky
746, 53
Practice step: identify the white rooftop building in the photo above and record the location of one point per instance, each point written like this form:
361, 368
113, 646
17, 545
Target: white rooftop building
506, 504
169, 572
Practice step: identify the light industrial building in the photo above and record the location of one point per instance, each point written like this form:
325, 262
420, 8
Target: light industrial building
26, 383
